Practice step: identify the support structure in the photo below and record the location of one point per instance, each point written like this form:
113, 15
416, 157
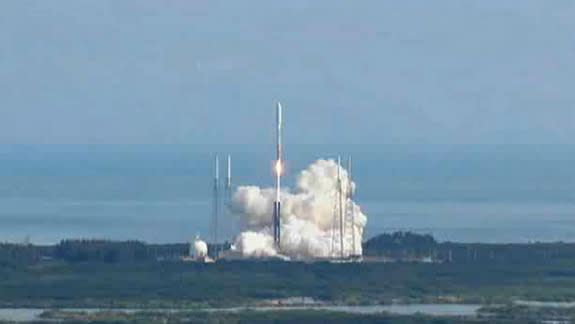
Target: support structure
216, 205
229, 175
227, 201
341, 216
350, 212
338, 229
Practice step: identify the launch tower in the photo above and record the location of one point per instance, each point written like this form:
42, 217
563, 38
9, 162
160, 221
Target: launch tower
216, 205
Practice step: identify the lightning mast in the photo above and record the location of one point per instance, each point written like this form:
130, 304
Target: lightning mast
338, 218
340, 209
350, 212
216, 204
229, 176
227, 199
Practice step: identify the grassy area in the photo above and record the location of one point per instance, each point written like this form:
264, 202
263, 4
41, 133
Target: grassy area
93, 273
173, 284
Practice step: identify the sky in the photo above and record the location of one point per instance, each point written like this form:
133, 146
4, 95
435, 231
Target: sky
348, 72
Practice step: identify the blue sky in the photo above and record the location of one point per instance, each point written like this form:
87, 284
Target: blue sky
351, 72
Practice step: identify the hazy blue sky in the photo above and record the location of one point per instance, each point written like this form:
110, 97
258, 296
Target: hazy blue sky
189, 72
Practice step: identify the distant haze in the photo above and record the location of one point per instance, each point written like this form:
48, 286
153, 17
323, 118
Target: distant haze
162, 194
353, 72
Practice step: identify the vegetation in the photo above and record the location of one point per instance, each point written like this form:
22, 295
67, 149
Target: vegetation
398, 246
410, 246
176, 284
20, 254
102, 251
401, 245
134, 274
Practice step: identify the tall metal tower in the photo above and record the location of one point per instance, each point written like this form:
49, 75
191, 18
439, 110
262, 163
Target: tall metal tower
341, 216
338, 231
227, 199
229, 177
334, 219
216, 205
350, 212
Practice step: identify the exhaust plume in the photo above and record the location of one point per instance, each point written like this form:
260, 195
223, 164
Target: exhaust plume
307, 216
200, 248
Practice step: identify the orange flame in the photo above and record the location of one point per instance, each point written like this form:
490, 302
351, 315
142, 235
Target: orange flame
279, 167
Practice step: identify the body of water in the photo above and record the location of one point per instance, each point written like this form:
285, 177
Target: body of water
30, 314
50, 220
163, 195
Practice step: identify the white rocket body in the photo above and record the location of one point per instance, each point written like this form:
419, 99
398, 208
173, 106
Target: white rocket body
229, 176
279, 162
278, 170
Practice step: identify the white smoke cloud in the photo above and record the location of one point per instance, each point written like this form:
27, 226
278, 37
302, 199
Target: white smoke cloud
307, 216
200, 248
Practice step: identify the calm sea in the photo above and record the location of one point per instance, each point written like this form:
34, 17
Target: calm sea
162, 194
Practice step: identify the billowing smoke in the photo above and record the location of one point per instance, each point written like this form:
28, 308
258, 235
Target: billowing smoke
309, 227
200, 248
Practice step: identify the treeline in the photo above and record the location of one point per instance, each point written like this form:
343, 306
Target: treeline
398, 246
102, 250
91, 250
401, 246
15, 254
407, 246
76, 251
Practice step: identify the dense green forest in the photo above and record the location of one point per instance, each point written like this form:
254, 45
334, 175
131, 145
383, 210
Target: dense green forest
408, 246
179, 284
398, 247
91, 273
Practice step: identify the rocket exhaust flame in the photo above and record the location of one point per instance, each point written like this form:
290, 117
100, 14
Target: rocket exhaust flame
278, 168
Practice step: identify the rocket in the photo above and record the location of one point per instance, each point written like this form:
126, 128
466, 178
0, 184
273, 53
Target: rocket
279, 162
278, 171
229, 176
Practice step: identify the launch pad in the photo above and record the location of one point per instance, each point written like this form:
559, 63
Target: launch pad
340, 241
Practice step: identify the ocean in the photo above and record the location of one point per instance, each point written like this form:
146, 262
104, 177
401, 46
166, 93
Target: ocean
162, 194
